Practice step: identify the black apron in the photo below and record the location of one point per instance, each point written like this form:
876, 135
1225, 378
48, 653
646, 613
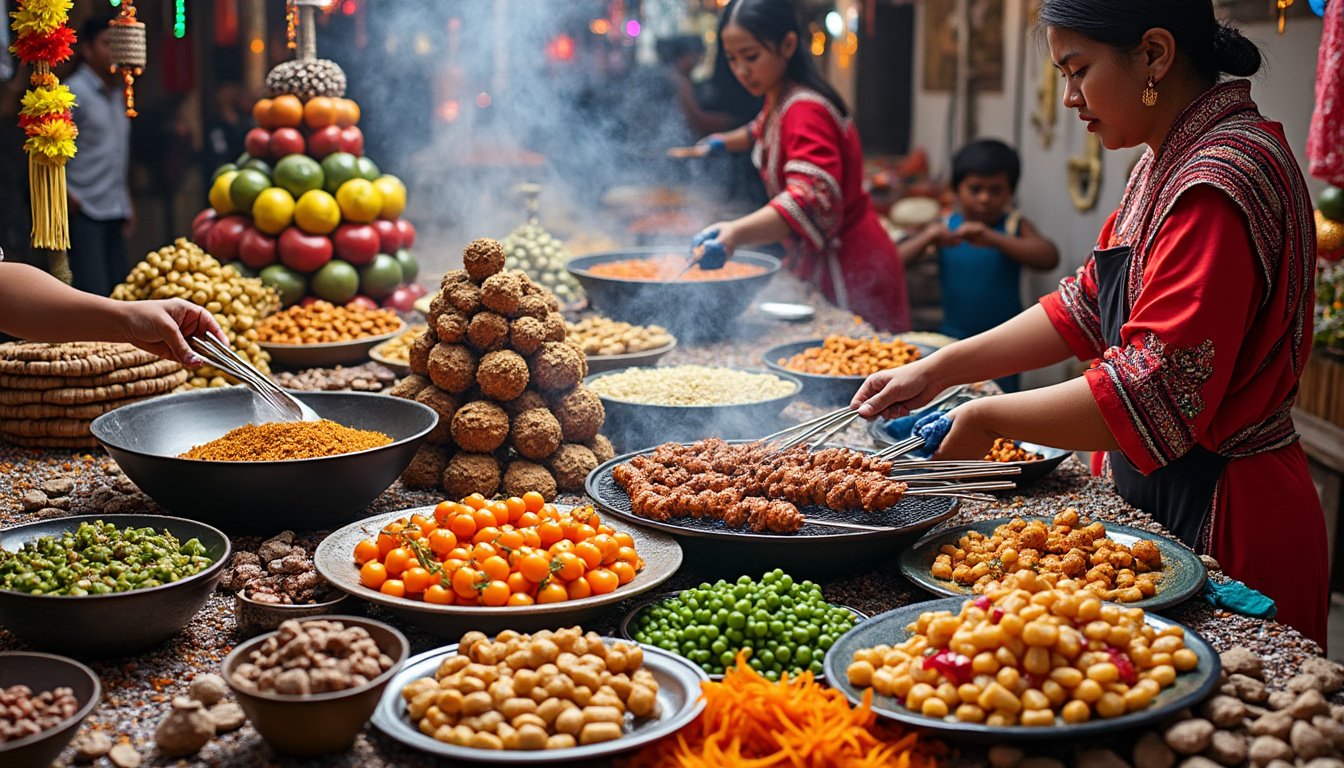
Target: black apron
1180, 494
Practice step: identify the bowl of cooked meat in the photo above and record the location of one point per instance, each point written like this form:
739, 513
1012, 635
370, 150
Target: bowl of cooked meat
652, 285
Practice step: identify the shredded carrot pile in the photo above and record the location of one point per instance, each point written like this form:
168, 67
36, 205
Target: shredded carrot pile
750, 722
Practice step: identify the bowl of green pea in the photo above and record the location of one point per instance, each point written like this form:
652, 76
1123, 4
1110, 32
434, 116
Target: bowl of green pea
786, 626
106, 585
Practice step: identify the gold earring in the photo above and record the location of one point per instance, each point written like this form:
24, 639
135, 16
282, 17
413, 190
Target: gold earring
1149, 96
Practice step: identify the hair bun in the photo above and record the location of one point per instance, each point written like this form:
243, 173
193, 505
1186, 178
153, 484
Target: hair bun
1235, 54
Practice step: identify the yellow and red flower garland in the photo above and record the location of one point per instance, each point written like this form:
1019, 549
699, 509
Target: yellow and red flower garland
43, 40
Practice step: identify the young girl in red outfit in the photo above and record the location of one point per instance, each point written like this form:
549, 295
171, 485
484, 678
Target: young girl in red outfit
1195, 307
807, 149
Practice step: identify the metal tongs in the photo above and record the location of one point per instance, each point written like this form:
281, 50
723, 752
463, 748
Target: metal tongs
221, 355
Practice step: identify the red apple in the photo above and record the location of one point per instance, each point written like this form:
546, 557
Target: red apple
225, 237
402, 299
356, 243
389, 237
362, 302
418, 289
303, 252
352, 141
407, 230
324, 141
200, 226
286, 141
257, 249
308, 301
257, 142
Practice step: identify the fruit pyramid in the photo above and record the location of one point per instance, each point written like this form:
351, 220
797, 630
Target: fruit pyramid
495, 365
303, 208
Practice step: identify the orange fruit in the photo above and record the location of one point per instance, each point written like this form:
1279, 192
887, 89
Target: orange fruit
373, 574
319, 112
261, 112
361, 201
286, 111
520, 598
553, 592
367, 550
317, 213
347, 112
578, 589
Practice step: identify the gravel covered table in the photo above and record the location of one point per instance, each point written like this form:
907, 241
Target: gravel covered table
137, 690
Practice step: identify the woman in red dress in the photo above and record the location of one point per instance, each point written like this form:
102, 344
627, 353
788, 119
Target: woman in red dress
807, 149
1195, 308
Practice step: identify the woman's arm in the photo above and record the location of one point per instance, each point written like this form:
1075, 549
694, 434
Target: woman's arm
736, 140
1061, 416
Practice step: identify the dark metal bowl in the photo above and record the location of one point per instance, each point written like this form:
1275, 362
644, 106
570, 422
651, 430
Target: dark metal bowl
146, 439
826, 391
632, 426
690, 310
319, 723
45, 672
327, 354
121, 623
253, 617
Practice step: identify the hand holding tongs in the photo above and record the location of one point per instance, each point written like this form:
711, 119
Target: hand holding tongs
707, 252
219, 354
710, 147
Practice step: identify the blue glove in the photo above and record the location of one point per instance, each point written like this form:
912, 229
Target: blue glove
1239, 598
717, 147
713, 254
933, 427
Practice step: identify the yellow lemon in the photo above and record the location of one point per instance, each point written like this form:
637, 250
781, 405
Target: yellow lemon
219, 196
394, 195
359, 200
273, 210
317, 212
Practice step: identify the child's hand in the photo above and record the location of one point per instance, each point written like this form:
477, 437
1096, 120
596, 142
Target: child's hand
939, 234
974, 232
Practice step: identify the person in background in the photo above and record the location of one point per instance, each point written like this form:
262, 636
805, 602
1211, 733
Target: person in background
681, 54
983, 245
37, 307
807, 149
101, 213
1195, 308
228, 127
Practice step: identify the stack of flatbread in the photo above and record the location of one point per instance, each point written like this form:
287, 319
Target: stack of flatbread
50, 393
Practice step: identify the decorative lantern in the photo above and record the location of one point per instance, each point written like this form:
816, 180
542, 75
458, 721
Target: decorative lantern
126, 42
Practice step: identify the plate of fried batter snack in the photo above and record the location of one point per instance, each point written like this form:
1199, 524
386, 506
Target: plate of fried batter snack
1118, 563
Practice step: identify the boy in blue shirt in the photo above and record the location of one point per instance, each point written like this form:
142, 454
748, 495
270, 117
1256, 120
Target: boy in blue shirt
983, 246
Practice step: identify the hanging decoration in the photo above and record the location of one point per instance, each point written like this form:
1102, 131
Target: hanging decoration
1283, 6
292, 24
126, 44
180, 19
43, 40
1085, 175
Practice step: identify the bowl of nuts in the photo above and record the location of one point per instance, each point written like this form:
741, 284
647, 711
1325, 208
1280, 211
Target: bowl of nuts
321, 334
395, 353
310, 687
43, 699
277, 581
610, 344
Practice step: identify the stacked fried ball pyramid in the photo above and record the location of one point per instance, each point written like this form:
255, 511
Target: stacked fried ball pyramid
494, 364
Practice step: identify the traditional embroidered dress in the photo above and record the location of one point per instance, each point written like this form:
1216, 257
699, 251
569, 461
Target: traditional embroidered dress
1196, 308
810, 158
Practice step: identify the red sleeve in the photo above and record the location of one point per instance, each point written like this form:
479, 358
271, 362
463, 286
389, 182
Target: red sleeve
1074, 309
810, 147
1160, 389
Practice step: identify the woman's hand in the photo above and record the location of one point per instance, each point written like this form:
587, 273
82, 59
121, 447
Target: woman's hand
896, 392
162, 328
968, 438
715, 244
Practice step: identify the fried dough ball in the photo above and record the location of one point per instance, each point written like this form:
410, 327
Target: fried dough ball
410, 386
438, 305
523, 476
465, 297
502, 375
487, 331
555, 326
557, 366
469, 473
454, 277
451, 327
525, 402
552, 301
580, 414
502, 293
452, 367
483, 257
601, 448
571, 465
418, 354
426, 469
526, 334
535, 433
443, 404
480, 426
533, 305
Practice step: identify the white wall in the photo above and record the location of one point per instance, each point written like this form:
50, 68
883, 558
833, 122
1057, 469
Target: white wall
1284, 91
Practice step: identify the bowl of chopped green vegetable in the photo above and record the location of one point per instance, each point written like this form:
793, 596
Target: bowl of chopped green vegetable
106, 585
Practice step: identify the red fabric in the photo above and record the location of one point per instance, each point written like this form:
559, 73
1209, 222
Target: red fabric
1202, 289
811, 161
1325, 142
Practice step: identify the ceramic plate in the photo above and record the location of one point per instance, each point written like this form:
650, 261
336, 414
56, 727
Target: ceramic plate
890, 628
1183, 574
678, 704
